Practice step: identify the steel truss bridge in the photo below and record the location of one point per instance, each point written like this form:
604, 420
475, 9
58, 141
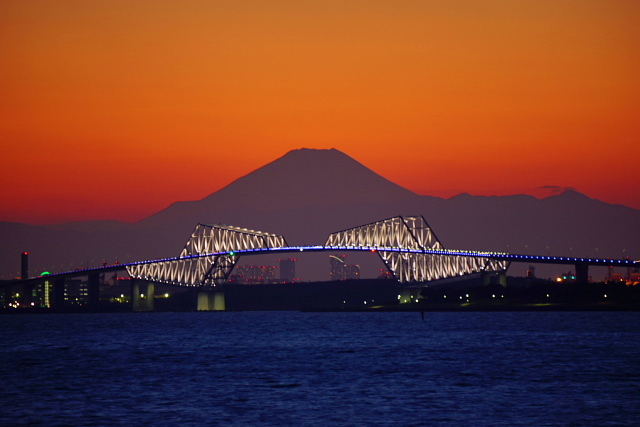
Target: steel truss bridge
406, 244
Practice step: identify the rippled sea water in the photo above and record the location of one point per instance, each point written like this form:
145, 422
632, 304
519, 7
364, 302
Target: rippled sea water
312, 369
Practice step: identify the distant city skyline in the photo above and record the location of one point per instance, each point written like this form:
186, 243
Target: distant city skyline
340, 270
116, 110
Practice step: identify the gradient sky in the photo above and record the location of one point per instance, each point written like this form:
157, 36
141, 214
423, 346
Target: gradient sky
115, 109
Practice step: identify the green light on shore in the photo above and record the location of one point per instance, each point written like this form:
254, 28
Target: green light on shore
45, 273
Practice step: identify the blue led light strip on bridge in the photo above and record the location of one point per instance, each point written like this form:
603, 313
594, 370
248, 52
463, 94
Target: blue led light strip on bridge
502, 256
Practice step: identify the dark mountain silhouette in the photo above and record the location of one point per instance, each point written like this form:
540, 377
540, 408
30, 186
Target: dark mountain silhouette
302, 178
307, 194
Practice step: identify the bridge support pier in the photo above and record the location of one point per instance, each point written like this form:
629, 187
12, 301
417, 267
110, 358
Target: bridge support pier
501, 275
582, 272
142, 295
211, 300
502, 278
150, 295
57, 294
486, 278
135, 295
93, 290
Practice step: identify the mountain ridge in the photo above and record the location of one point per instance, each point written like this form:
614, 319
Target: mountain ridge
319, 176
307, 194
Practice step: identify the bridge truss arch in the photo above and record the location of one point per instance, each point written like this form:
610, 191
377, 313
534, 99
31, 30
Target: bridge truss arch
208, 257
406, 244
428, 260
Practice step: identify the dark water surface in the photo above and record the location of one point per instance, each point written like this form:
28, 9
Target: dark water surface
312, 369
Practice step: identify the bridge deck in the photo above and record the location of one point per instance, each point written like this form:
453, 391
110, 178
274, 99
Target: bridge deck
499, 256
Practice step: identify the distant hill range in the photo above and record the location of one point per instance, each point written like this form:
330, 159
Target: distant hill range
308, 193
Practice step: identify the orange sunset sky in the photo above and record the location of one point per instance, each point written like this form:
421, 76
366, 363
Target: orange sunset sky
115, 109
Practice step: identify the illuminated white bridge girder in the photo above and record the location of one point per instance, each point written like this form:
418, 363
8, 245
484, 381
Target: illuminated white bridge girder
192, 269
406, 244
413, 232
